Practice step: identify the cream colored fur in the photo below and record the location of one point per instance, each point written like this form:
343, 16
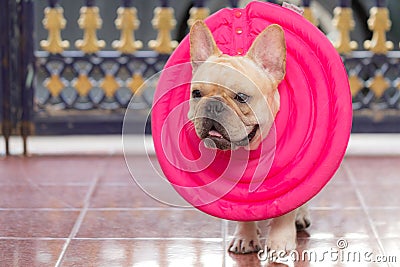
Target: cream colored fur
217, 81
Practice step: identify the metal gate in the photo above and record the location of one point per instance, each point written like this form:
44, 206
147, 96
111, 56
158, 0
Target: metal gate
84, 87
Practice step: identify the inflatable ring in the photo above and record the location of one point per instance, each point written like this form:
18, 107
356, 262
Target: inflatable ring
300, 155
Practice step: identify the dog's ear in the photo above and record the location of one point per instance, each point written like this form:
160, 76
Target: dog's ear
202, 44
269, 51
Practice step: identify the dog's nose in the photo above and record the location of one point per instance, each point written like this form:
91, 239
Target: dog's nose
215, 107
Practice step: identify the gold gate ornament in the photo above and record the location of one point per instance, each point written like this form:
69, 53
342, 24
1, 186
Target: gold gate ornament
164, 22
127, 22
344, 22
54, 22
197, 13
90, 21
379, 23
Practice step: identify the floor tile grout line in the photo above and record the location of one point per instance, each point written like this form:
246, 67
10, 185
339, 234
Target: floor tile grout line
78, 221
98, 209
124, 184
364, 207
40, 209
31, 238
315, 208
211, 239
46, 184
208, 239
224, 229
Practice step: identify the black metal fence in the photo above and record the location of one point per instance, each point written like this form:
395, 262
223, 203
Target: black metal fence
54, 90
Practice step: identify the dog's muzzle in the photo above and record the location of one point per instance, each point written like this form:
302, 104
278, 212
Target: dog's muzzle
216, 136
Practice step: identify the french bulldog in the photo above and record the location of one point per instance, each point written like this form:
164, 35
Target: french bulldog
234, 101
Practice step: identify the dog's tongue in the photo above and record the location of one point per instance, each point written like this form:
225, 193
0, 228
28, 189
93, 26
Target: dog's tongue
214, 133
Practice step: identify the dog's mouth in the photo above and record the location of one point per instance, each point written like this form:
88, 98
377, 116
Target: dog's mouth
220, 137
217, 133
214, 133
245, 141
253, 133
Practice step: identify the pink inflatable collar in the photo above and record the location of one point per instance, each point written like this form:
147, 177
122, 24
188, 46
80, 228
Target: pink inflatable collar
302, 152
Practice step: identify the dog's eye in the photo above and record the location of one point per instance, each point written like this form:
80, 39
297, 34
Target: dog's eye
196, 94
241, 98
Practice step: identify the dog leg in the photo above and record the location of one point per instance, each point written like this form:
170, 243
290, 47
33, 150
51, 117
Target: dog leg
303, 219
246, 238
282, 233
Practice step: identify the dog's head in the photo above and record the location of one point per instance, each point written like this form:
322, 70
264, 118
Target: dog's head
234, 99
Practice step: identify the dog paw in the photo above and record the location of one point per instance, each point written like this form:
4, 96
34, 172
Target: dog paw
281, 244
282, 235
243, 245
246, 238
303, 219
278, 250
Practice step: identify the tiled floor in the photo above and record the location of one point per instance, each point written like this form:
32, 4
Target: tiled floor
87, 211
